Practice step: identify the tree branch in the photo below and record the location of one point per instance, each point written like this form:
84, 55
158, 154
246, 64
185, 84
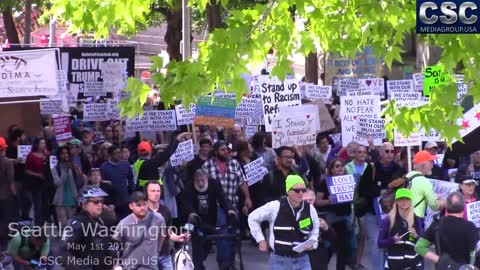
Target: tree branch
262, 18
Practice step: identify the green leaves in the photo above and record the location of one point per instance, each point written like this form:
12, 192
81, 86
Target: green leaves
138, 96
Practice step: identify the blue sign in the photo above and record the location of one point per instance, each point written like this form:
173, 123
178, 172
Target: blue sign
218, 107
448, 17
341, 188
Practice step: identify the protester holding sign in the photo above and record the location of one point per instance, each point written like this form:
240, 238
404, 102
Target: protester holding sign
338, 215
467, 188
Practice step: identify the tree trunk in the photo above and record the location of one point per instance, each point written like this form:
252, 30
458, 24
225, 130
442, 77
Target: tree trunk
173, 35
311, 68
10, 28
214, 16
28, 22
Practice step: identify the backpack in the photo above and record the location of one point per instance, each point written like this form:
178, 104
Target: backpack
183, 261
388, 199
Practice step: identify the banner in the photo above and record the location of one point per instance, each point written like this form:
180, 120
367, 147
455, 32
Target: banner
276, 94
23, 151
183, 153
353, 107
255, 171
473, 213
62, 128
341, 188
292, 130
185, 117
95, 112
28, 73
50, 106
215, 112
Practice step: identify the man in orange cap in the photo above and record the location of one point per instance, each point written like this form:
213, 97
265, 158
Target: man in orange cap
421, 187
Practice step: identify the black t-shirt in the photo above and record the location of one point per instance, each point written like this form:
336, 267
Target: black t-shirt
458, 237
165, 212
342, 209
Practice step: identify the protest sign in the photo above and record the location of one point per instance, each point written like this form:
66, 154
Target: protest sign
300, 112
316, 92
276, 94
23, 151
346, 85
469, 122
326, 121
73, 95
114, 75
255, 171
353, 107
293, 130
399, 86
28, 73
259, 121
183, 153
370, 127
433, 135
95, 112
375, 86
160, 120
112, 108
473, 213
405, 96
215, 112
137, 124
53, 162
414, 139
62, 128
248, 108
418, 81
434, 76
49, 106
185, 117
462, 90
250, 131
93, 89
442, 188
341, 188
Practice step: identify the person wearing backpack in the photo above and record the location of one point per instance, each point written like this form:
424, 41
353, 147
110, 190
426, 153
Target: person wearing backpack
421, 187
454, 237
26, 246
399, 232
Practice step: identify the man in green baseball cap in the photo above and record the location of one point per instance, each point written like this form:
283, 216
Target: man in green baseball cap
292, 221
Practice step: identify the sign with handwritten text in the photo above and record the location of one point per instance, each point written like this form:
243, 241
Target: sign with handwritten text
292, 130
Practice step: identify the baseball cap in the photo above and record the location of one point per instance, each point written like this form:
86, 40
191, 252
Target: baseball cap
422, 156
403, 193
431, 144
3, 143
292, 180
470, 181
99, 138
144, 147
74, 142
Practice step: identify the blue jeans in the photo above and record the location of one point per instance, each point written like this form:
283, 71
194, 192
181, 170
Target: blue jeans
373, 255
165, 263
276, 262
225, 251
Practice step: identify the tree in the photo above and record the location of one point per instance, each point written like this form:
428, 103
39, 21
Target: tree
343, 26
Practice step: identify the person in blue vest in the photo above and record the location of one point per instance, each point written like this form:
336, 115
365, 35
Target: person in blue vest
292, 221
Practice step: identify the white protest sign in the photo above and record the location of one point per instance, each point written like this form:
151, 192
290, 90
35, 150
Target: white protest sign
315, 92
399, 86
23, 151
418, 81
114, 76
162, 120
414, 139
301, 111
250, 131
28, 73
183, 153
293, 130
137, 124
462, 90
460, 78
248, 107
353, 107
442, 188
50, 106
185, 117
370, 127
433, 135
346, 85
258, 121
112, 108
405, 96
275, 94
62, 94
53, 162
73, 94
93, 89
373, 85
255, 171
473, 213
95, 112
341, 188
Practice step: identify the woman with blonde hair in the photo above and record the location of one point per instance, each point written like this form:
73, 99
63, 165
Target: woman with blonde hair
399, 231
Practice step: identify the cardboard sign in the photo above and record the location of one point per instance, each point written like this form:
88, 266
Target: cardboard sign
326, 121
248, 108
183, 153
375, 86
371, 127
255, 171
352, 108
473, 213
276, 94
346, 85
418, 82
293, 130
114, 75
250, 131
28, 73
23, 151
341, 188
49, 106
185, 117
399, 86
434, 76
95, 112
318, 92
62, 128
414, 139
215, 112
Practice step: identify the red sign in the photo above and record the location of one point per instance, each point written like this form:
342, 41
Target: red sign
63, 130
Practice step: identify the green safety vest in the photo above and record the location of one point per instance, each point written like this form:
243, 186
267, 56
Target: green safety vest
136, 168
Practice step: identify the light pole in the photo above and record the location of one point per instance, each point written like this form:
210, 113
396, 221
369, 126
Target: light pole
186, 47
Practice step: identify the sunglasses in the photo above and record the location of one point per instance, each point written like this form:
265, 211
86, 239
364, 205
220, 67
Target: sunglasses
298, 190
338, 165
388, 151
96, 201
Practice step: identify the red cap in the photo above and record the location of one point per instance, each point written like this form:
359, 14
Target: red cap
144, 147
423, 156
3, 143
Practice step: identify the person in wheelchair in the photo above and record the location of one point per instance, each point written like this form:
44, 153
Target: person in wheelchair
28, 249
201, 200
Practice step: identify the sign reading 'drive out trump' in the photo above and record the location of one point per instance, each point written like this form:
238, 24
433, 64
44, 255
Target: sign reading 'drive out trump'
341, 188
